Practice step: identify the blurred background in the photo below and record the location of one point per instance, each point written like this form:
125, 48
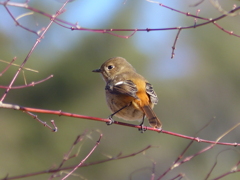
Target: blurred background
201, 82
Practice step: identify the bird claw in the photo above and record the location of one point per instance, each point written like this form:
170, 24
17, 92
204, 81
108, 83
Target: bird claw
143, 128
111, 120
160, 129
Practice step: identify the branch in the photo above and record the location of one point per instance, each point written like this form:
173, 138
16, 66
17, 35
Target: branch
229, 172
175, 42
54, 129
12, 64
177, 162
27, 85
15, 20
81, 163
60, 113
32, 49
8, 66
84, 165
234, 169
75, 26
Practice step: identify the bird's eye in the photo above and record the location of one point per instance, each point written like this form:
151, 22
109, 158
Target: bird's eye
110, 67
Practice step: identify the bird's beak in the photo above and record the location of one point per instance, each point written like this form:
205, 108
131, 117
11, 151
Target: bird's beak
96, 70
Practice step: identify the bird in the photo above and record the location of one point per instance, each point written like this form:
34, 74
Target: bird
128, 94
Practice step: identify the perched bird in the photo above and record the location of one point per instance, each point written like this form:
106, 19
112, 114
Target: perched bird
129, 95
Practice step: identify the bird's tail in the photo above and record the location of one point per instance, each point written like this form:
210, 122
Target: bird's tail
152, 117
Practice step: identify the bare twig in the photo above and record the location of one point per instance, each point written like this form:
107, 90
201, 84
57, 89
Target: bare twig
9, 64
32, 49
177, 162
75, 26
209, 20
27, 85
80, 164
179, 177
196, 4
43, 123
15, 20
138, 171
84, 165
215, 163
209, 147
12, 64
218, 6
175, 42
234, 170
68, 155
195, 19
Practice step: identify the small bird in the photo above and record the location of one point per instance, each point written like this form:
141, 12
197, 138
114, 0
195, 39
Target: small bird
129, 95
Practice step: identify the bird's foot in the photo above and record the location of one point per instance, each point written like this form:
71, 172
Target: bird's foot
111, 120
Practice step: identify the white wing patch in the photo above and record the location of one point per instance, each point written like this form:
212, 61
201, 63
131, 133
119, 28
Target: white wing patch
119, 83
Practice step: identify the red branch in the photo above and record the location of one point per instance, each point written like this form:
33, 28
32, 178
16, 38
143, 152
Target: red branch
60, 113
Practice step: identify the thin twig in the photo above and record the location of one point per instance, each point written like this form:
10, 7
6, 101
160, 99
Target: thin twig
71, 167
195, 19
68, 155
27, 85
15, 20
175, 42
75, 26
88, 155
32, 49
207, 148
9, 65
177, 163
215, 163
42, 122
12, 64
227, 173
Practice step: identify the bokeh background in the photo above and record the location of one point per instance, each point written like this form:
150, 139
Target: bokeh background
202, 81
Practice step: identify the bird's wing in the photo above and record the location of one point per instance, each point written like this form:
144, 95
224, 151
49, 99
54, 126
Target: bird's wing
126, 87
151, 93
